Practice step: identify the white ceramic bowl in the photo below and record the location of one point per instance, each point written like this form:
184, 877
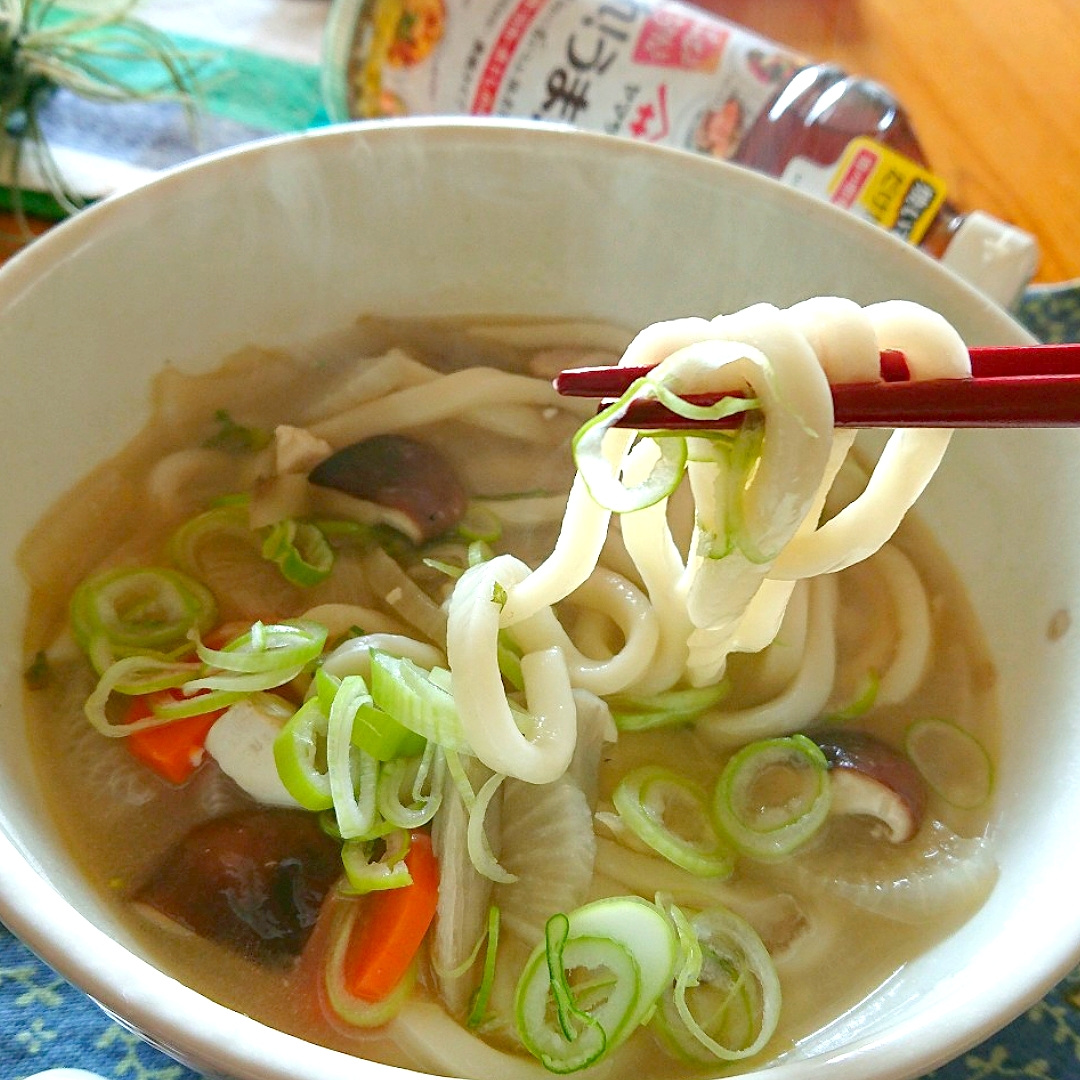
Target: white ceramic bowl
276, 243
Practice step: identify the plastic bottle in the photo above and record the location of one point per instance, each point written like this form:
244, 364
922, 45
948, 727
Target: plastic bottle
663, 71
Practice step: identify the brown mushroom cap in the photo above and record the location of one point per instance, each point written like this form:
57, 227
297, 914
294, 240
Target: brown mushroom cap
404, 475
872, 778
253, 881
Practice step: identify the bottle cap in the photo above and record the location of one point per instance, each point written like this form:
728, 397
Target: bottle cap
998, 259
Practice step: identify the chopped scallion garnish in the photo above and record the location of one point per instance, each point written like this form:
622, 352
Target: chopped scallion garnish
132, 609
773, 796
569, 1027
236, 438
671, 814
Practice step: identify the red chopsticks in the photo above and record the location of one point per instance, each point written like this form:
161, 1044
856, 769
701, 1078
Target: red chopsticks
1010, 386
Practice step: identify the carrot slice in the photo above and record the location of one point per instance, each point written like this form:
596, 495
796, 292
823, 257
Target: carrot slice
174, 751
385, 942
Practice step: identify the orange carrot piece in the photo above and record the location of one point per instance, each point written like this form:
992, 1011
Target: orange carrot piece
174, 751
386, 939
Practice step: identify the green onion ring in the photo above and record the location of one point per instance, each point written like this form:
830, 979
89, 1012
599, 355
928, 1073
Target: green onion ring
772, 830
647, 797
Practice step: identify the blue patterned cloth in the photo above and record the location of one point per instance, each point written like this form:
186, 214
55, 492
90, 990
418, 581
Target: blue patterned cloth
45, 1022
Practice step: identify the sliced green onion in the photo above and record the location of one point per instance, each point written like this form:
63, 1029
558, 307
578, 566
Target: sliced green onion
713, 544
573, 1021
328, 824
671, 814
952, 761
325, 687
580, 1039
267, 656
479, 524
354, 775
450, 556
456, 769
234, 498
427, 774
244, 684
101, 654
139, 609
666, 709
377, 733
860, 705
720, 410
451, 570
510, 661
299, 748
194, 704
476, 836
353, 1010
460, 969
300, 550
440, 677
725, 1002
746, 450
236, 438
230, 519
735, 456
482, 997
409, 694
476, 805
133, 675
773, 796
598, 475
628, 950
341, 532
38, 673
478, 552
367, 875
267, 647
137, 675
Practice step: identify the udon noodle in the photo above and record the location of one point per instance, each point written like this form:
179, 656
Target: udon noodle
471, 731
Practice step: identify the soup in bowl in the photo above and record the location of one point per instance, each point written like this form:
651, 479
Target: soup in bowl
373, 701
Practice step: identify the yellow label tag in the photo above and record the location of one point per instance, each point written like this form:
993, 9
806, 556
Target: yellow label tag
891, 189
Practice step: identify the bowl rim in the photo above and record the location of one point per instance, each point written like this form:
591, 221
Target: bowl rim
133, 991
21, 269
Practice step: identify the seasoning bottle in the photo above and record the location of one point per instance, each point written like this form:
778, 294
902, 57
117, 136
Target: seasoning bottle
666, 72
848, 140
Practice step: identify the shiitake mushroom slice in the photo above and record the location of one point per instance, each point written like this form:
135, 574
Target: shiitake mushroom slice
408, 478
253, 881
872, 778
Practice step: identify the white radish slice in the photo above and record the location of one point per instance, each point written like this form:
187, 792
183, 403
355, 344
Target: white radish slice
939, 875
548, 840
464, 893
549, 844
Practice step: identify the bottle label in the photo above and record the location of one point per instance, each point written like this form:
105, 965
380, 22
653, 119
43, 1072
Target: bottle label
875, 183
655, 71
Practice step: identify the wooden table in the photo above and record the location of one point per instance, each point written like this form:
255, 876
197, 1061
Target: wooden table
991, 86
